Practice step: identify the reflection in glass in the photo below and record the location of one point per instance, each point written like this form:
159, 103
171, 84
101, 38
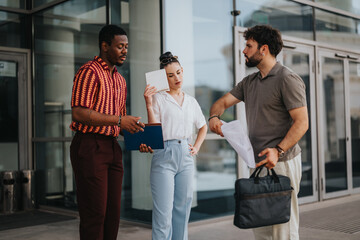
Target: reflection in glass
9, 139
54, 175
354, 78
213, 69
66, 36
207, 60
334, 144
299, 63
13, 30
203, 41
352, 6
215, 176
336, 29
13, 3
292, 19
38, 3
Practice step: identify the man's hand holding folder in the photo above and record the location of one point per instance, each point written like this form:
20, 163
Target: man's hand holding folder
131, 124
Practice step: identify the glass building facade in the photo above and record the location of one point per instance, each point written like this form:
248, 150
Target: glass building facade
44, 43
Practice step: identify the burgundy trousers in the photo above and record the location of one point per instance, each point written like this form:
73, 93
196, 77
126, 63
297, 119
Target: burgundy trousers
97, 163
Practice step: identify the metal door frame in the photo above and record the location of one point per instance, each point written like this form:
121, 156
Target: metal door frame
22, 57
294, 46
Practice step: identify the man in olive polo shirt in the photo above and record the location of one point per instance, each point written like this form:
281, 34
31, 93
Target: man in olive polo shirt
276, 114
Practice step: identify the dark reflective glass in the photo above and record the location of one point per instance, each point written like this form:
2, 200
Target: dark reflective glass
66, 37
300, 63
13, 30
13, 3
292, 19
333, 107
54, 176
354, 71
9, 115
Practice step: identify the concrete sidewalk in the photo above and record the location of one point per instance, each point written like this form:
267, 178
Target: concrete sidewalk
336, 219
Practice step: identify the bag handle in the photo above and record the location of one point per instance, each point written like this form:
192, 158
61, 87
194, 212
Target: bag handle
274, 176
257, 171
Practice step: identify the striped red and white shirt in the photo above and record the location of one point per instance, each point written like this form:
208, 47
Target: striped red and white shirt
96, 89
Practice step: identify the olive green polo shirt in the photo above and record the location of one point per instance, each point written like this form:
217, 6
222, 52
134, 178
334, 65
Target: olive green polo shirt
267, 104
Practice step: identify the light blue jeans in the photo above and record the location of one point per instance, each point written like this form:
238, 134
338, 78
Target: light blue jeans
171, 177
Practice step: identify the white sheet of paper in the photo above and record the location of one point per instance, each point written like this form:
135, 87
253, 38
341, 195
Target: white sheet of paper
157, 79
239, 140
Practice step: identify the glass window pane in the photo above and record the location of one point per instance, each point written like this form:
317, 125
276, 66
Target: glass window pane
9, 117
13, 3
12, 30
54, 175
38, 3
207, 60
215, 177
336, 29
66, 37
352, 6
292, 19
333, 108
204, 43
299, 63
355, 120
141, 21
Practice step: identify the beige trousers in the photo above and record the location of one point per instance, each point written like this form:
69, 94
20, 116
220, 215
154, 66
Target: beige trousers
289, 230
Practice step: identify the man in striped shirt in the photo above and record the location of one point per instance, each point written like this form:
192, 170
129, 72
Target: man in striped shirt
98, 116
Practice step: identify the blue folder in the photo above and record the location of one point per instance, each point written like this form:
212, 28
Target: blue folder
151, 136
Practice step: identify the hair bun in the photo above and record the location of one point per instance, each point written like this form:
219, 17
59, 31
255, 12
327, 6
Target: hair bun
165, 55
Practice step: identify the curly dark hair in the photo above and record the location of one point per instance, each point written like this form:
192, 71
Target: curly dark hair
167, 58
108, 32
265, 35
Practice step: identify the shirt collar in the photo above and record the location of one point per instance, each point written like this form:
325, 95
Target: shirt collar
171, 99
272, 72
103, 64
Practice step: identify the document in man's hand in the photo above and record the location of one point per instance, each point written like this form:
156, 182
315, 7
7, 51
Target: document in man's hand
157, 79
151, 136
239, 140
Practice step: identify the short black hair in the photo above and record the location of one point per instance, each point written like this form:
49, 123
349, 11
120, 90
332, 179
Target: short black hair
167, 58
108, 32
265, 35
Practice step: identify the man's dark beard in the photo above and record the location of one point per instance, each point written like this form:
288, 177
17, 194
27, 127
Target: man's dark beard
119, 64
252, 62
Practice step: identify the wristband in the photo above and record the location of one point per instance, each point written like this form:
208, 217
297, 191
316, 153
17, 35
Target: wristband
215, 116
119, 122
281, 151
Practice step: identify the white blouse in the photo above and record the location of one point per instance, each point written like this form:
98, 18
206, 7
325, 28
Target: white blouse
177, 121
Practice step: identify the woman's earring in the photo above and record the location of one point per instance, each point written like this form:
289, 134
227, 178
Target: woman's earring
263, 54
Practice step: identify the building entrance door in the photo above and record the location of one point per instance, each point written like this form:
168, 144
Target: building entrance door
339, 84
300, 59
15, 144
